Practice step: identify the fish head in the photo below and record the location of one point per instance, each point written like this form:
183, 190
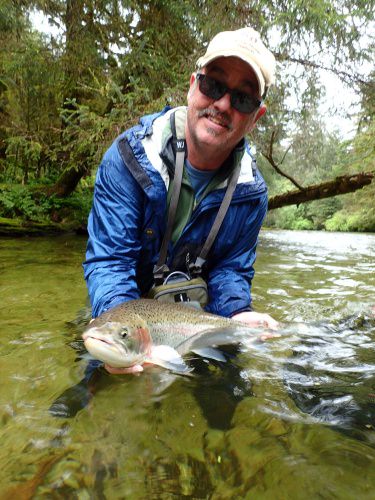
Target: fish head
120, 344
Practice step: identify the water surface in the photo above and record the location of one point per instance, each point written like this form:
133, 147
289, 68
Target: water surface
290, 418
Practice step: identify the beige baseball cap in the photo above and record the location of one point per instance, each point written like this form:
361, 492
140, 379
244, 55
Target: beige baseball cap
246, 44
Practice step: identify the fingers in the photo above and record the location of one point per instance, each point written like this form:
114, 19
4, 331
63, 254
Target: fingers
269, 335
121, 371
255, 320
266, 321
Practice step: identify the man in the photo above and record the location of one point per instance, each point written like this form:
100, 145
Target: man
128, 217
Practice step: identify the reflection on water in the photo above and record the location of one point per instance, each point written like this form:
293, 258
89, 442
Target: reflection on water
290, 418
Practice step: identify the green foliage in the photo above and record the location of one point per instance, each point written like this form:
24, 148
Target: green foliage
361, 220
24, 153
63, 99
358, 209
83, 135
11, 18
30, 204
315, 155
291, 217
32, 85
18, 202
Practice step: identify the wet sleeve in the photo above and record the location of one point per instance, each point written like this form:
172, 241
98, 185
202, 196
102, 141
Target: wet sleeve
229, 283
114, 236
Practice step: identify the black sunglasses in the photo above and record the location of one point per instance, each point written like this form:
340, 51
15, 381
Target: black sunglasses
241, 101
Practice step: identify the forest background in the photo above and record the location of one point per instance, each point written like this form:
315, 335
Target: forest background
64, 97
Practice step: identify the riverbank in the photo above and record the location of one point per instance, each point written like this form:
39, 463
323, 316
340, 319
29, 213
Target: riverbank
30, 211
20, 227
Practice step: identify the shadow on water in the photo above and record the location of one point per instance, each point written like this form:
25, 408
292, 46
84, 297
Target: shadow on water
217, 387
77, 397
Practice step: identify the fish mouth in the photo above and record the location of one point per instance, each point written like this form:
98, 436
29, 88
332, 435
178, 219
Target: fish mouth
94, 334
108, 352
91, 339
88, 336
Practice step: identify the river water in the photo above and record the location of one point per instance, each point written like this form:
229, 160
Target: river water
293, 417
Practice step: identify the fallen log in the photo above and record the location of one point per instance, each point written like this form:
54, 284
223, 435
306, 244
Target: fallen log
340, 185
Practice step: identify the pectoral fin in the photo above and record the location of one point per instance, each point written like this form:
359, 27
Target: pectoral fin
227, 335
210, 353
167, 357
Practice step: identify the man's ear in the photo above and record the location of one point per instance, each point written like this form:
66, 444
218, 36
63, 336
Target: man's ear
193, 78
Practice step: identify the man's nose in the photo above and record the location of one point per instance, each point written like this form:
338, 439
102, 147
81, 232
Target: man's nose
223, 104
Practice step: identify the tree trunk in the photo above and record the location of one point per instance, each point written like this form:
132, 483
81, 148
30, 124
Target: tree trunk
68, 181
73, 50
341, 185
73, 65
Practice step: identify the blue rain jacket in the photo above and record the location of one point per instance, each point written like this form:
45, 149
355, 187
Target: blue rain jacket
128, 220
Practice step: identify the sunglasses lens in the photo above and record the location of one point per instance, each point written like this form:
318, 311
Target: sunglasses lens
211, 88
242, 102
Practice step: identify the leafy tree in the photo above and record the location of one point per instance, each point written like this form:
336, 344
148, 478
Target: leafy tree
64, 98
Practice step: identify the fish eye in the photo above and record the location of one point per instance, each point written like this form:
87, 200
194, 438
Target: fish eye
124, 332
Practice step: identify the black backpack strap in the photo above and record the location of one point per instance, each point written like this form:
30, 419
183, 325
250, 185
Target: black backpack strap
196, 267
160, 269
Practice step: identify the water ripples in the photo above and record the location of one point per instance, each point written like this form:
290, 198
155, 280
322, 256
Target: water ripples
327, 370
295, 413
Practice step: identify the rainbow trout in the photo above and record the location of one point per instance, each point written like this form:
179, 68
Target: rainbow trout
146, 330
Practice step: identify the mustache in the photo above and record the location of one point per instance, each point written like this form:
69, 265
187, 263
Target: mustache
222, 117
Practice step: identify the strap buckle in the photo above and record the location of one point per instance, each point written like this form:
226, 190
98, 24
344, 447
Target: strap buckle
195, 268
160, 272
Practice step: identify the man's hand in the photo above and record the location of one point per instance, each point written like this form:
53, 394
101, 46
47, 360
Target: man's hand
256, 320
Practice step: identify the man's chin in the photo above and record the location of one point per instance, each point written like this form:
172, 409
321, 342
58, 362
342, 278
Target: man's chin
208, 132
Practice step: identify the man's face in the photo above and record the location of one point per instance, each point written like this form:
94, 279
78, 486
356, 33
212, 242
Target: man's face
215, 127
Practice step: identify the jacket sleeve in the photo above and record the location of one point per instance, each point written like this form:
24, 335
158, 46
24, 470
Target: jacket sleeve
229, 281
114, 227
